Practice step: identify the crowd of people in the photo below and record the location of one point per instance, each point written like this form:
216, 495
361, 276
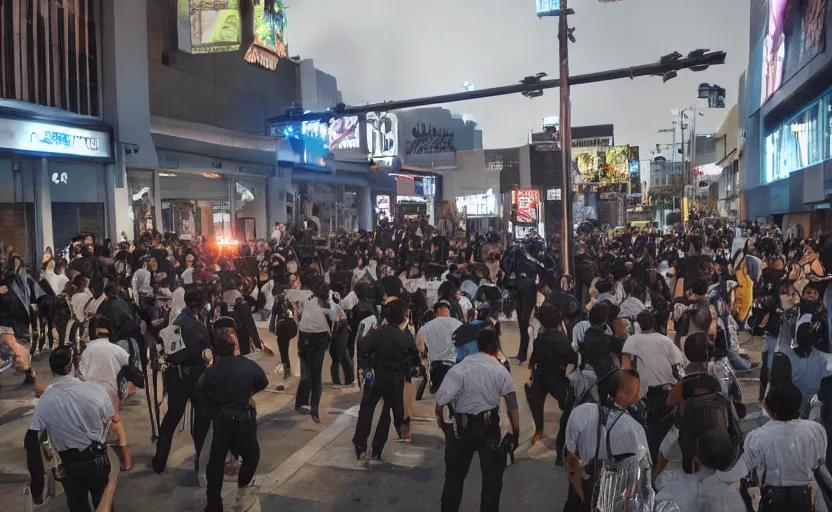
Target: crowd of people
640, 346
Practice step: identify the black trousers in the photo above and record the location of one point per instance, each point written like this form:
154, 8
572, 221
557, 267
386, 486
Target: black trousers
390, 389
523, 320
438, 370
237, 433
475, 438
786, 499
543, 386
341, 360
285, 330
180, 390
85, 478
311, 351
657, 421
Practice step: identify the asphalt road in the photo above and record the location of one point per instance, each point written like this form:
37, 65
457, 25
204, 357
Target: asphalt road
303, 465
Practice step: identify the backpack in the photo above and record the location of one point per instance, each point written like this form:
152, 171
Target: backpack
704, 408
465, 339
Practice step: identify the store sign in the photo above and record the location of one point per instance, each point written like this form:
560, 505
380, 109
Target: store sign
411, 199
36, 137
526, 202
383, 205
553, 194
382, 136
478, 205
256, 171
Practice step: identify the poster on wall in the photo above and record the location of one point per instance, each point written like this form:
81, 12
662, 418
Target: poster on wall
269, 44
209, 26
526, 202
796, 34
382, 137
603, 165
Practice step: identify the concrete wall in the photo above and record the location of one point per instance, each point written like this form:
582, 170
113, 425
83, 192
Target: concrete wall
219, 89
466, 135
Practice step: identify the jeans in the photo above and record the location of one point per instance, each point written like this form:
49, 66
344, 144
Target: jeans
484, 440
311, 351
389, 389
237, 434
737, 361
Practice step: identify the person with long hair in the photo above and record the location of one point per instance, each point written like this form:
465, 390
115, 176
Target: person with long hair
317, 317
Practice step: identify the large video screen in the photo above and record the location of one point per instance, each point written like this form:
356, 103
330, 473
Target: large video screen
796, 33
209, 26
603, 164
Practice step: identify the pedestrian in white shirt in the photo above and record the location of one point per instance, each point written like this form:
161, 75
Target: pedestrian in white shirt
141, 282
785, 452
436, 337
708, 488
78, 304
101, 362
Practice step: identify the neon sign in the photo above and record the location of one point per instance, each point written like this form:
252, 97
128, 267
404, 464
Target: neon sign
36, 137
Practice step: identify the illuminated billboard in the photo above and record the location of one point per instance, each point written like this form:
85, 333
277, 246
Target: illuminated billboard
603, 164
269, 45
796, 34
209, 26
478, 205
525, 202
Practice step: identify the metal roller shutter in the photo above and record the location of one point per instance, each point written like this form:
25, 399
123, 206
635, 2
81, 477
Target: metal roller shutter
70, 219
17, 228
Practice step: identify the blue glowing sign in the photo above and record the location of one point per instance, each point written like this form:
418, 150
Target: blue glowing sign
36, 137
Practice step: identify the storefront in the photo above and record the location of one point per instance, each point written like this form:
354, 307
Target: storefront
53, 165
480, 210
415, 195
194, 195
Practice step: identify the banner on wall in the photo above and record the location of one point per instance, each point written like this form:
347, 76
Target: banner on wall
208, 26
526, 202
269, 28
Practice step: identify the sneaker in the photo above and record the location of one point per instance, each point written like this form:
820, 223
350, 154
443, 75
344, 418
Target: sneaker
248, 499
376, 460
406, 433
361, 457
303, 409
537, 437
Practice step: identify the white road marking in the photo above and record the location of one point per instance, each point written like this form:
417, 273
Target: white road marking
272, 481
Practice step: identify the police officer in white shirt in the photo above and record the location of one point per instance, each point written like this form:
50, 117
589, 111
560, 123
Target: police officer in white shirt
785, 452
75, 415
472, 389
596, 432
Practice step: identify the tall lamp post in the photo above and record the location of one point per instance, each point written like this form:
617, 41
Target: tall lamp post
565, 34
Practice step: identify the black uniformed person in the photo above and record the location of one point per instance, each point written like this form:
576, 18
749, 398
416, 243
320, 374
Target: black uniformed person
227, 388
390, 351
472, 389
181, 376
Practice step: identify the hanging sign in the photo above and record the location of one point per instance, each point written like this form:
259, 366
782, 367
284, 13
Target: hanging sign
269, 27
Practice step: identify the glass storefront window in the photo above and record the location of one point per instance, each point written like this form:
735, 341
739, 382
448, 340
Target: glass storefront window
142, 205
800, 142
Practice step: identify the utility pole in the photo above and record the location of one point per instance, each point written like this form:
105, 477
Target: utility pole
565, 141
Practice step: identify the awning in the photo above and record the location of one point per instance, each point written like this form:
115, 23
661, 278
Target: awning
728, 160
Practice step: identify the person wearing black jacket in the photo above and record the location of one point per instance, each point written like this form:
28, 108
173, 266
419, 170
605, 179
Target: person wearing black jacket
183, 371
550, 359
527, 301
391, 352
227, 389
